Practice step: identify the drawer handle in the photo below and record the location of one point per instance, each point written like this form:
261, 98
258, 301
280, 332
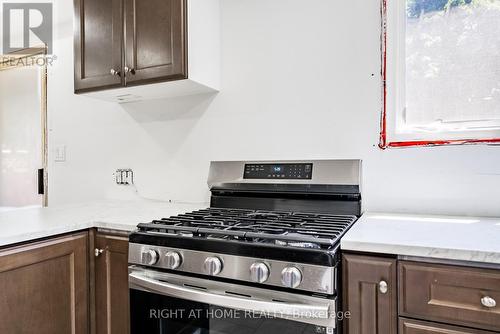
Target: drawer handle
383, 287
488, 302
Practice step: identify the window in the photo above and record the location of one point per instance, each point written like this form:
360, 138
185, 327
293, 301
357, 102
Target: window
441, 69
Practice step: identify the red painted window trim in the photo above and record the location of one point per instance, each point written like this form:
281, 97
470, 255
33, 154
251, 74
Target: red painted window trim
383, 141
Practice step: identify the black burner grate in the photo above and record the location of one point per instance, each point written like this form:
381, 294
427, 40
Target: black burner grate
293, 229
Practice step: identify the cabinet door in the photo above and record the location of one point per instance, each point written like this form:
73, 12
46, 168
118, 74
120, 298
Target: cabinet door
111, 284
44, 287
155, 40
370, 295
98, 44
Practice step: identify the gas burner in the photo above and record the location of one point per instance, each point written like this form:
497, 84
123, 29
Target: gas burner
264, 215
286, 229
297, 244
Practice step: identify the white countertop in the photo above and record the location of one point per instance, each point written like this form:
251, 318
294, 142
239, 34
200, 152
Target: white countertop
35, 223
440, 237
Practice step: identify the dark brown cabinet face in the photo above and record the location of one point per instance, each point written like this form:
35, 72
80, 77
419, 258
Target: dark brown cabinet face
450, 294
407, 326
44, 287
98, 44
155, 40
129, 42
111, 284
370, 295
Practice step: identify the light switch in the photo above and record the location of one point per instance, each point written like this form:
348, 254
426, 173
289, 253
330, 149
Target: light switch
60, 153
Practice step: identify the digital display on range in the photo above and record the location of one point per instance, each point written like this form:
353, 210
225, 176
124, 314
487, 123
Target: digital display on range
277, 169
301, 171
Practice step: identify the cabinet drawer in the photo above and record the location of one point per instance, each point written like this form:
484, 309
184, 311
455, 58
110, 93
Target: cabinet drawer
455, 295
407, 326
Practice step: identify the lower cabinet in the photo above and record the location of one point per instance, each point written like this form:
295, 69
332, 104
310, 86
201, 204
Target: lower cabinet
111, 284
44, 287
407, 326
75, 284
428, 298
461, 296
370, 295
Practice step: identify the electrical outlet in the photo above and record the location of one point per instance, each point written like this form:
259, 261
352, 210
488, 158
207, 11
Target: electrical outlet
124, 177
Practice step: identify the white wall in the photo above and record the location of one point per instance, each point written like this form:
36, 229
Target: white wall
300, 80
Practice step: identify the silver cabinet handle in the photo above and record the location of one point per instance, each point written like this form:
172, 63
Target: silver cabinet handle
383, 287
129, 70
488, 302
114, 72
98, 252
317, 311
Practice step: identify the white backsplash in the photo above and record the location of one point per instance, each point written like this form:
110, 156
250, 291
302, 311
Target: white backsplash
298, 82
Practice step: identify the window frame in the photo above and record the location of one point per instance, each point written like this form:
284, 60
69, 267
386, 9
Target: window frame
393, 23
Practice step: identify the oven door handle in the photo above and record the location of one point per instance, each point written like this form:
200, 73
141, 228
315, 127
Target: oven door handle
279, 309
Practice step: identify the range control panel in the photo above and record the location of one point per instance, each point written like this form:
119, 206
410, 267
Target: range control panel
298, 171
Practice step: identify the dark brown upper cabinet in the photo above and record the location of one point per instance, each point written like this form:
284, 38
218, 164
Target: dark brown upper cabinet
98, 44
138, 49
155, 40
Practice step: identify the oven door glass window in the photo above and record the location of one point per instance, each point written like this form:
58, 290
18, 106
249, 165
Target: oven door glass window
162, 303
156, 314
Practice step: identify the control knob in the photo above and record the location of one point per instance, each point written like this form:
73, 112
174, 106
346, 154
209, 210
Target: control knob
173, 260
291, 277
149, 257
259, 272
212, 266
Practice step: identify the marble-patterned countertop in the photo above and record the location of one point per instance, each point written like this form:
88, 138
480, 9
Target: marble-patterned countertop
439, 237
35, 223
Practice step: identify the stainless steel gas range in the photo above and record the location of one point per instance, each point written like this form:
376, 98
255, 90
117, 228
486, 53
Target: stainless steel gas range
264, 258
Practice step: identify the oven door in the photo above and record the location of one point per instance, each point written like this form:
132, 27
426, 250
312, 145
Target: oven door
163, 303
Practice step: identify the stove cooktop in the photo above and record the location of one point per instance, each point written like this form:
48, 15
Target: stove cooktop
278, 228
